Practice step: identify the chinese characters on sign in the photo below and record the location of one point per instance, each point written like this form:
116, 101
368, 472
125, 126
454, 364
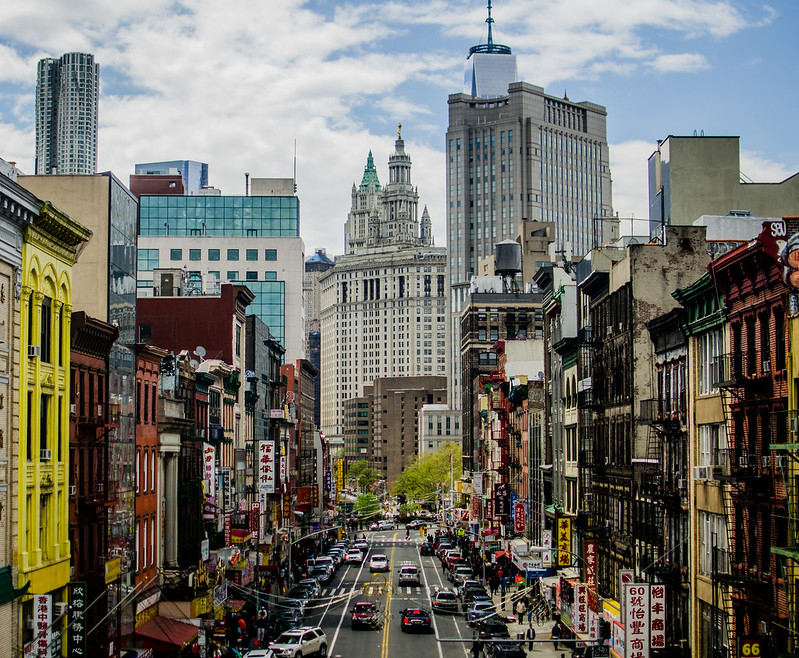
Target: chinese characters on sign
283, 473
477, 481
266, 467
227, 529
339, 476
546, 554
475, 507
209, 468
636, 605
255, 520
518, 517
42, 618
76, 636
590, 575
580, 609
564, 541
657, 606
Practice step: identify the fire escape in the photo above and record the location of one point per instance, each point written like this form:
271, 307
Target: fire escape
785, 463
745, 481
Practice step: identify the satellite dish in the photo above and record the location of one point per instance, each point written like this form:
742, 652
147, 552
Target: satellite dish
200, 351
194, 364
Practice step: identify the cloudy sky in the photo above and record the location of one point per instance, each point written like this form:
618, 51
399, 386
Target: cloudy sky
237, 83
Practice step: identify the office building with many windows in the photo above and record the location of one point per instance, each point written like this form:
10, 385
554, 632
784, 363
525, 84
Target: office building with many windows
192, 243
383, 305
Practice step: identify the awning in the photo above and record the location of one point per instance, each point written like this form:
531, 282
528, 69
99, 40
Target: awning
165, 633
500, 554
235, 604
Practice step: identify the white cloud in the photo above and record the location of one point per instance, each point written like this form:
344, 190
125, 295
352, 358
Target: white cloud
759, 169
628, 168
682, 63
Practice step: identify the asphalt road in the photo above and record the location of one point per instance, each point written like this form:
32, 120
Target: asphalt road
333, 610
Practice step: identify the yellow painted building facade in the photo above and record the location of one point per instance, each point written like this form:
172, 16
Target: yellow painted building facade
50, 247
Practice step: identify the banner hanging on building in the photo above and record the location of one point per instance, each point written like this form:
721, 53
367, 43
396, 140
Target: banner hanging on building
518, 517
209, 468
637, 622
564, 541
266, 467
657, 613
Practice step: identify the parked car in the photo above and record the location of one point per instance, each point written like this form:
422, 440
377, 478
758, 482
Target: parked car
281, 620
327, 561
322, 574
260, 653
415, 619
479, 610
459, 574
313, 584
363, 614
361, 544
445, 600
386, 524
495, 650
374, 526
492, 627
303, 641
474, 596
353, 556
378, 562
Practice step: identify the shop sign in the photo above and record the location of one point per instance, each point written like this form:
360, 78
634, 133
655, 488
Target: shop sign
315, 495
580, 611
501, 493
564, 541
637, 623
283, 478
590, 575
76, 635
209, 468
286, 507
266, 467
475, 507
657, 613
255, 520
227, 529
328, 481
489, 508
477, 482
518, 517
113, 569
42, 619
546, 554
626, 576
304, 498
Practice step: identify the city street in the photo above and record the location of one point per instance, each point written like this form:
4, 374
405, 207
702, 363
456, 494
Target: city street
338, 597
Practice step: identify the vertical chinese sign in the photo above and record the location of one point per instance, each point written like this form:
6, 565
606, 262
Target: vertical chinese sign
255, 520
590, 575
42, 618
564, 541
76, 636
636, 605
518, 517
580, 609
209, 469
339, 477
546, 554
266, 467
657, 607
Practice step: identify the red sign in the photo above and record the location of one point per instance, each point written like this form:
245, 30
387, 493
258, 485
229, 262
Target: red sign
518, 517
255, 520
227, 529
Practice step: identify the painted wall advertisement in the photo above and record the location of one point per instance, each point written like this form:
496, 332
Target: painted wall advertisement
266, 467
564, 541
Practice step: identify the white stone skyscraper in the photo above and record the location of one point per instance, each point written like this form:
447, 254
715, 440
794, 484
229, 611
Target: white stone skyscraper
67, 92
383, 304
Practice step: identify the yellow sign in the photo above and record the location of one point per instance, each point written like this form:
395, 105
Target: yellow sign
113, 569
202, 605
564, 542
339, 476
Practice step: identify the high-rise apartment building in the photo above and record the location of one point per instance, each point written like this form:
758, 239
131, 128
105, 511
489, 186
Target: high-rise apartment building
383, 304
522, 156
67, 91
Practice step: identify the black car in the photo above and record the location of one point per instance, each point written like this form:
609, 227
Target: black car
280, 621
427, 549
415, 619
492, 627
505, 651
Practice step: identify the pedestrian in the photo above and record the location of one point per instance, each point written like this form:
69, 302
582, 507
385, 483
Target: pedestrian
530, 636
520, 610
477, 649
260, 626
555, 634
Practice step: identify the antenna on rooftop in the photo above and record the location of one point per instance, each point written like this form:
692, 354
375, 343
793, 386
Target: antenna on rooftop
295, 166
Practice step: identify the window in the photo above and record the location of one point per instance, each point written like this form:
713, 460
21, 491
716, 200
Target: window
270, 276
270, 254
251, 276
194, 254
232, 254
232, 275
45, 320
710, 361
252, 254
213, 254
176, 254
148, 259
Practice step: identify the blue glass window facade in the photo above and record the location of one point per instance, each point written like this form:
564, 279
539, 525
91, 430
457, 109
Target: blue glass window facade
231, 216
148, 259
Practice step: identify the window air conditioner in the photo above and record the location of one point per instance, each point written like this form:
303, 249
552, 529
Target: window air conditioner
766, 365
73, 409
781, 461
763, 627
743, 461
793, 425
99, 410
73, 490
60, 609
34, 351
682, 484
45, 454
765, 461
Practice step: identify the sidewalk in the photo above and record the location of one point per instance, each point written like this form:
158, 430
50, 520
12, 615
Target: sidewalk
540, 649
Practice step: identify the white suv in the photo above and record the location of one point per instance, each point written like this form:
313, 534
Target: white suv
300, 642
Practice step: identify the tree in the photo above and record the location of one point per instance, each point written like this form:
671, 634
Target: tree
420, 480
363, 475
366, 506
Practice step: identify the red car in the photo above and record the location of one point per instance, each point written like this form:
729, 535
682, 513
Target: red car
364, 613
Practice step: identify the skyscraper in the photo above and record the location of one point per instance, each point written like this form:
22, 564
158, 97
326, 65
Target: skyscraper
383, 305
195, 174
513, 157
67, 90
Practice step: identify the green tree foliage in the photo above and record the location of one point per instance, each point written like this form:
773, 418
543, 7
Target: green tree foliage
361, 473
420, 479
367, 506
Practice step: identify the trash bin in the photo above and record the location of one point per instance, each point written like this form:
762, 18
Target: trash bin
520, 636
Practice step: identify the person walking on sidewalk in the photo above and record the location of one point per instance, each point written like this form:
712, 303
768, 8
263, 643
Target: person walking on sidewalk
530, 633
520, 610
555, 634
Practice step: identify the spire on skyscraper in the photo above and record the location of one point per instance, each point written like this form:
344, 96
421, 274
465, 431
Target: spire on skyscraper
490, 67
370, 174
490, 47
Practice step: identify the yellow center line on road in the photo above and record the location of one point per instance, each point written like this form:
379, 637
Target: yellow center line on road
389, 587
